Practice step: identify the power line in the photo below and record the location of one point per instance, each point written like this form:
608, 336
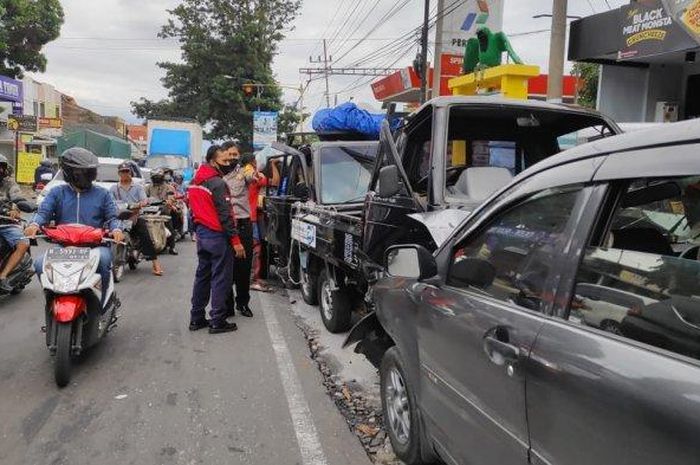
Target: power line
357, 26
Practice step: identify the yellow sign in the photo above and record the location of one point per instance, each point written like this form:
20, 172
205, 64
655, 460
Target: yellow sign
26, 165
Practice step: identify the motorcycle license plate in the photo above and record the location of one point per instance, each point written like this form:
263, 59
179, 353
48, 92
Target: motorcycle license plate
68, 254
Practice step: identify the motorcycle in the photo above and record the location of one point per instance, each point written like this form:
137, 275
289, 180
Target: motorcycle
179, 205
75, 317
22, 274
128, 253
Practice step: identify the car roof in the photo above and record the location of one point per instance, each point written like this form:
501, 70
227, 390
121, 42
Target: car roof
664, 135
485, 100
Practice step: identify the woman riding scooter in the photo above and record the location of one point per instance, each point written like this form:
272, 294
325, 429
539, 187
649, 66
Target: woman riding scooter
161, 190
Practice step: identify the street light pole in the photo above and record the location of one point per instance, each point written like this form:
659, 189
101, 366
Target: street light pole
437, 65
556, 51
424, 52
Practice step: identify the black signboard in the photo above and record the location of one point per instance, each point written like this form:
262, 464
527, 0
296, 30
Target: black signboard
21, 123
648, 29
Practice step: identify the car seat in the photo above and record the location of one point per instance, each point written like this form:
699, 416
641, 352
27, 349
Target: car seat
479, 182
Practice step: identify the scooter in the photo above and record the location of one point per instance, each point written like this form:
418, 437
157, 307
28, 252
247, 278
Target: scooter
75, 317
127, 253
22, 274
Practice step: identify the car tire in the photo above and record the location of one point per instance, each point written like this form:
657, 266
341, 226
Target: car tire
335, 305
401, 419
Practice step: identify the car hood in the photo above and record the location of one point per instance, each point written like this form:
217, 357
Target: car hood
441, 223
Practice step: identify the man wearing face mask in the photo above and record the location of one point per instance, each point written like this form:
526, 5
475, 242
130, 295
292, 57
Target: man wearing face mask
80, 201
217, 243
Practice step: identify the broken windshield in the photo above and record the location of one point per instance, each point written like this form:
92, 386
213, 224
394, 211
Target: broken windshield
346, 172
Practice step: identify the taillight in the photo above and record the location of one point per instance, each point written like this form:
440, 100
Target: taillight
67, 308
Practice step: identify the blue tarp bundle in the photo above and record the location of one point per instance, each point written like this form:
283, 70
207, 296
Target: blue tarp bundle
348, 117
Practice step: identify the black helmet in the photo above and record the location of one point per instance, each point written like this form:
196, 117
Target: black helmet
79, 167
4, 167
158, 176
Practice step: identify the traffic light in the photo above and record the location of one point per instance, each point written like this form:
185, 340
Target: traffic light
248, 88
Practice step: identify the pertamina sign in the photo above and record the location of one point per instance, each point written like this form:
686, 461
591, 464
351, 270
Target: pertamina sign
461, 22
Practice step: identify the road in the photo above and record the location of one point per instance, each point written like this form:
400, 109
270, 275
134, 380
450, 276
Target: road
155, 393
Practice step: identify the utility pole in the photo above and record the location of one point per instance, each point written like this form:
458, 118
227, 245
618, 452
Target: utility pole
437, 66
557, 43
424, 52
326, 60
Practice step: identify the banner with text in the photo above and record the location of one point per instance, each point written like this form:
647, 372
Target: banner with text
264, 128
27, 163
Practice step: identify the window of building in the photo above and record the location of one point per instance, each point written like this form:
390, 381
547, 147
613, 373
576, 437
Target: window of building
519, 247
42, 109
643, 280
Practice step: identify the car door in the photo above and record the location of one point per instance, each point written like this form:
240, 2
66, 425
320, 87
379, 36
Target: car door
475, 332
386, 211
624, 387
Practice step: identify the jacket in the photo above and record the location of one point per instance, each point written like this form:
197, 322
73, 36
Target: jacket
64, 205
210, 203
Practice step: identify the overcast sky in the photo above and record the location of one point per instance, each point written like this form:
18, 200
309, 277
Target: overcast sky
108, 49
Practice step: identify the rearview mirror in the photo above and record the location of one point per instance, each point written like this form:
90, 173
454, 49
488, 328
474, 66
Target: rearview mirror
410, 261
388, 181
472, 272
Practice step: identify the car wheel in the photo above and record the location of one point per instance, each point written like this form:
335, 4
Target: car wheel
336, 305
611, 327
401, 419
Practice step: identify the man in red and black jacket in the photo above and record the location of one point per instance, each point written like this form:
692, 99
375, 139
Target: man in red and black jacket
217, 241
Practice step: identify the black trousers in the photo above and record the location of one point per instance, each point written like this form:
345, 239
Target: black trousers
241, 266
140, 230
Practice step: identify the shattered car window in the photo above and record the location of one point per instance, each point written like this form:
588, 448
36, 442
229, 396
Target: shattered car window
346, 172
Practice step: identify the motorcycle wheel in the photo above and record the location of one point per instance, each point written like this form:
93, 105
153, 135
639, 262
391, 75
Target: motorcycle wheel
62, 366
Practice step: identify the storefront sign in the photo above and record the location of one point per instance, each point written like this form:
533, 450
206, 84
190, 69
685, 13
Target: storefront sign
463, 20
264, 128
687, 14
21, 123
650, 29
50, 123
27, 163
10, 89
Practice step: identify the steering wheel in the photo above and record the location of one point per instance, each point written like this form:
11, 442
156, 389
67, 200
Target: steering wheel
422, 183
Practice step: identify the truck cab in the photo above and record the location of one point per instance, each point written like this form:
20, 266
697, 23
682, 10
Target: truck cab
455, 152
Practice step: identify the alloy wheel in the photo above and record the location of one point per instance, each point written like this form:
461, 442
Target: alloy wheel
397, 406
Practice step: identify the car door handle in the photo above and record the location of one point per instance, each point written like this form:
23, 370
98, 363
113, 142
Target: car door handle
501, 353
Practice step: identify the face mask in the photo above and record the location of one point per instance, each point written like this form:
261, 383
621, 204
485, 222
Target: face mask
226, 169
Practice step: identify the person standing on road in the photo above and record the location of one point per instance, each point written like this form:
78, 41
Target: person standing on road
135, 195
233, 151
210, 202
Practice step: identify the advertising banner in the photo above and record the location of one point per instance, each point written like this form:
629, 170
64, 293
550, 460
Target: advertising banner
22, 123
50, 123
464, 18
26, 165
264, 129
10, 89
651, 28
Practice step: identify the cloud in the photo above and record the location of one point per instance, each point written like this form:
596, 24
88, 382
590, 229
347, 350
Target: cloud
108, 49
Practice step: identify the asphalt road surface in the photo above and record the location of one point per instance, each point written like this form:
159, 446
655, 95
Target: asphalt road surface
154, 393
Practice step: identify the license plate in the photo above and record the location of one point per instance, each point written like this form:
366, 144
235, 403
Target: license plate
68, 254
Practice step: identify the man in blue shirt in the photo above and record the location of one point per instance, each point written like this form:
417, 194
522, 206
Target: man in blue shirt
135, 196
79, 201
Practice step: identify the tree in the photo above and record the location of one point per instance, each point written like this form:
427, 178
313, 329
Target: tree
224, 43
588, 89
289, 119
25, 27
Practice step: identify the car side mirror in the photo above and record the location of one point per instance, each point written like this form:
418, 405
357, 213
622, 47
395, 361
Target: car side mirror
302, 191
388, 181
472, 272
410, 261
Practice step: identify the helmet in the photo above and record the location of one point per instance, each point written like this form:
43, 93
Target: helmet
158, 176
125, 166
46, 162
79, 167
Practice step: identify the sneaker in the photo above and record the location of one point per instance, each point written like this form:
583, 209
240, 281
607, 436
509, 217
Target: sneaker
197, 325
245, 310
5, 286
224, 327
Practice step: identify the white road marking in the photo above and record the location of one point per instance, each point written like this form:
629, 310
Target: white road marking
304, 427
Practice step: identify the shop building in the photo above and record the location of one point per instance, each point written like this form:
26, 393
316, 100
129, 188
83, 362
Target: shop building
650, 56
